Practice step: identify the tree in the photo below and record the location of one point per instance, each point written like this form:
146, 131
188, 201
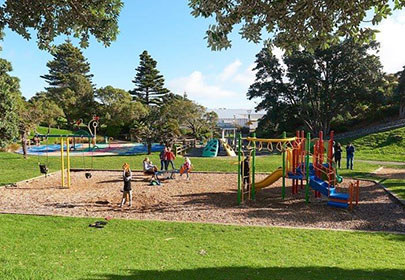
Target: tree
307, 23
117, 110
149, 84
69, 82
156, 127
193, 116
9, 98
317, 87
400, 93
47, 110
52, 18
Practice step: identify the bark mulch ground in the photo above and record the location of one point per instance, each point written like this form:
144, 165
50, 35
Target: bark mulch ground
205, 198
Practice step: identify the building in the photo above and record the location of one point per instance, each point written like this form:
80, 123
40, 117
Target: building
238, 118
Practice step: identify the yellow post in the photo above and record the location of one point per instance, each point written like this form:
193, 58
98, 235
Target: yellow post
68, 162
62, 163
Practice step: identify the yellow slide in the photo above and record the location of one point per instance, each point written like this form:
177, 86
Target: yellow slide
273, 177
229, 151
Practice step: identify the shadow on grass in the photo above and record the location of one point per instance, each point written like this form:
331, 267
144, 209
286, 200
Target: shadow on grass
285, 273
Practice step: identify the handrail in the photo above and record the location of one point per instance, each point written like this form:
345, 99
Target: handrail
273, 140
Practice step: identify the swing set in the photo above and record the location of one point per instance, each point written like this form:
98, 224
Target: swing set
65, 140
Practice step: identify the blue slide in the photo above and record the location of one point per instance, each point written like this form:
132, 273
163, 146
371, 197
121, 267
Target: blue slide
336, 199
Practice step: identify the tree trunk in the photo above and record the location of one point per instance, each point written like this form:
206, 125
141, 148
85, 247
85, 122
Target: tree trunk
402, 109
24, 143
149, 146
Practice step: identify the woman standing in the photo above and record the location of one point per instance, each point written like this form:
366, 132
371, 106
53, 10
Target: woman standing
338, 154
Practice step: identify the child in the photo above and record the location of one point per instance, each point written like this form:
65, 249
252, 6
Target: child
127, 192
170, 158
186, 168
245, 169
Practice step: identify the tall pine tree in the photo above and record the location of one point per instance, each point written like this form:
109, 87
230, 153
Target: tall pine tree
149, 83
69, 82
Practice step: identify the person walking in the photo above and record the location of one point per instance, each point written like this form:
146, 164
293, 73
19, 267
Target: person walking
349, 156
337, 154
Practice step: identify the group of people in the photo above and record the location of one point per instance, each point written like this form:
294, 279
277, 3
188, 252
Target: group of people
167, 158
337, 154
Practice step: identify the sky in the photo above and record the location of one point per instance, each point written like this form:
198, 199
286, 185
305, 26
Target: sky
175, 39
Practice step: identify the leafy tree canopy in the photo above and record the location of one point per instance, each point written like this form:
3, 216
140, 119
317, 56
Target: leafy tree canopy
290, 24
316, 87
10, 97
46, 110
149, 83
52, 18
116, 107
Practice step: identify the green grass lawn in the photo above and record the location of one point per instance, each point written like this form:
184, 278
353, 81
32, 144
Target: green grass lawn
34, 247
385, 146
14, 168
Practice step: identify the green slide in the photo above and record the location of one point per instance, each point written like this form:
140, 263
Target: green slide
211, 149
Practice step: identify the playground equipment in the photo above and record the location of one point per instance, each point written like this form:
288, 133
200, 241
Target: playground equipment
225, 143
211, 149
320, 175
65, 139
181, 146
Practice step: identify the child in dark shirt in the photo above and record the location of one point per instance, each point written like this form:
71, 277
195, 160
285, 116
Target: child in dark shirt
127, 191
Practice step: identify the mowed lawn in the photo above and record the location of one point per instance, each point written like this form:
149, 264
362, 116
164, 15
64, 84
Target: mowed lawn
14, 168
34, 247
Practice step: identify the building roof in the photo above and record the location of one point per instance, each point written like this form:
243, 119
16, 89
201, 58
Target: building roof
224, 113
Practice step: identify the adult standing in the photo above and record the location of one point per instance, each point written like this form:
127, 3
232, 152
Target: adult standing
170, 157
163, 158
337, 154
349, 156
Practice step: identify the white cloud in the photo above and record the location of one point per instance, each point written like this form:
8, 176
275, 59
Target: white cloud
230, 70
196, 87
392, 40
247, 77
278, 53
224, 90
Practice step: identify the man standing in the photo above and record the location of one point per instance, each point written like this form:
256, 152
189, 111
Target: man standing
349, 156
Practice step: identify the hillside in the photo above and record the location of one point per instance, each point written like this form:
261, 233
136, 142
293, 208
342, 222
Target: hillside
387, 146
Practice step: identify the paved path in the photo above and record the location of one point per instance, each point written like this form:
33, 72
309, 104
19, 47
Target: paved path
381, 162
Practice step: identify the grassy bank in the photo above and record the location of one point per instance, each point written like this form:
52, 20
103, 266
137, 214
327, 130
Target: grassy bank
384, 146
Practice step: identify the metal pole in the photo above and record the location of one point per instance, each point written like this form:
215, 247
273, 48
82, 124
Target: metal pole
68, 162
62, 163
308, 151
239, 171
254, 168
284, 173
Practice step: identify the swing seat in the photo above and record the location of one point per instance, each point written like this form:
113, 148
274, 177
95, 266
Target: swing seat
43, 169
88, 175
